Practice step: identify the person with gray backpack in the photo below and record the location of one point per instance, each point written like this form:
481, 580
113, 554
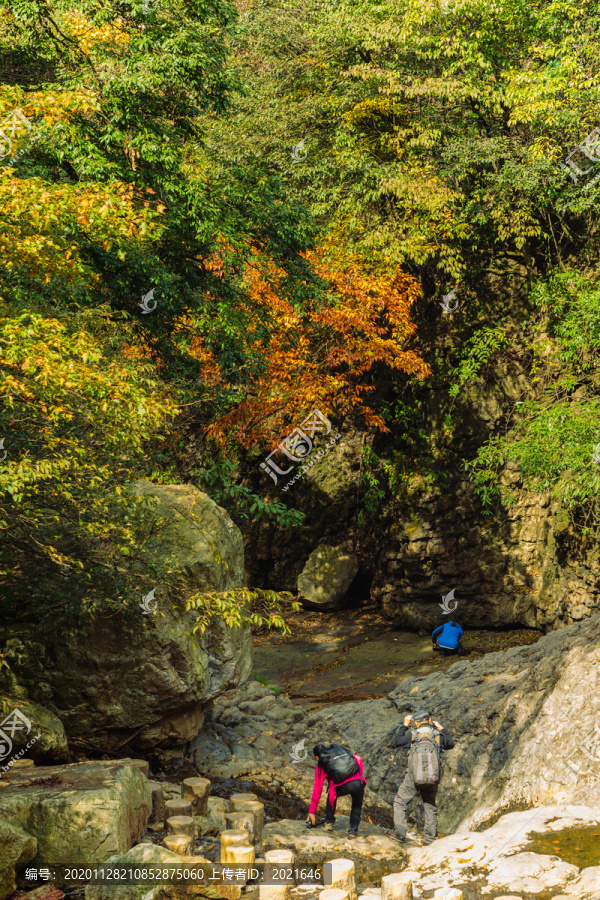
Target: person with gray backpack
426, 739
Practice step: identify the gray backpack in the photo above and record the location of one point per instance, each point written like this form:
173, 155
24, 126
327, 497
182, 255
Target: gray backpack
424, 764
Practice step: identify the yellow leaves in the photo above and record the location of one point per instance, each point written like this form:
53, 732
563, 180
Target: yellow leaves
38, 214
92, 37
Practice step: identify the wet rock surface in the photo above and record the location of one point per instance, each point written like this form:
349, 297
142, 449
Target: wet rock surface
353, 655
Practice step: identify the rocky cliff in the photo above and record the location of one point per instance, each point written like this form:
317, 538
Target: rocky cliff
524, 564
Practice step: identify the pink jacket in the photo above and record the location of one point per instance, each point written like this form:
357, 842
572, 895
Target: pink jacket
320, 777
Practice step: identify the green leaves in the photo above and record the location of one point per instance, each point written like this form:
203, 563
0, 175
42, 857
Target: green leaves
220, 482
261, 609
477, 353
556, 429
75, 417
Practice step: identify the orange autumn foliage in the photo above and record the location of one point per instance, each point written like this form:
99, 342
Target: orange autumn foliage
321, 358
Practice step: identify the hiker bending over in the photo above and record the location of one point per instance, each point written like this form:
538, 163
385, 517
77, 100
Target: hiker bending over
449, 641
344, 772
426, 740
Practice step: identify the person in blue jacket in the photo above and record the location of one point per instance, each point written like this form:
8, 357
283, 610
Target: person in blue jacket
449, 639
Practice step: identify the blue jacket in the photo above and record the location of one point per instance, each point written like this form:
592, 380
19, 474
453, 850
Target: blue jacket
450, 637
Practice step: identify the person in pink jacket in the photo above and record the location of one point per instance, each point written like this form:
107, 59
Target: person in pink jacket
354, 786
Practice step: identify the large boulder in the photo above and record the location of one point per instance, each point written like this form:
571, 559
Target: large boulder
197, 534
145, 676
326, 577
524, 722
27, 723
79, 814
16, 848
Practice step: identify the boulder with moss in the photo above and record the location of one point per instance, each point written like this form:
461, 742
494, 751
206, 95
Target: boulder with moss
144, 677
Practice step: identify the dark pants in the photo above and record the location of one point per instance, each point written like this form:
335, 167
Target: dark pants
356, 789
406, 792
446, 651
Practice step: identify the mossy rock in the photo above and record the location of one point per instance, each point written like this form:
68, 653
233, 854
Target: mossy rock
16, 849
45, 734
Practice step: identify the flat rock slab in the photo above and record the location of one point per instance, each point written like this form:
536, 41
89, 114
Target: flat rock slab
373, 854
531, 872
587, 885
79, 814
494, 855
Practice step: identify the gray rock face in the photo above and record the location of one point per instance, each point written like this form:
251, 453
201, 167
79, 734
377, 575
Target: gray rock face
524, 722
147, 675
244, 735
506, 570
326, 577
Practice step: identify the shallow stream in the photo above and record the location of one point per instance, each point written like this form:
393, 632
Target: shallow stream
353, 654
578, 846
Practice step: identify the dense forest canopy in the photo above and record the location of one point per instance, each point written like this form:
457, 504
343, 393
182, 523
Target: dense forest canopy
215, 219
